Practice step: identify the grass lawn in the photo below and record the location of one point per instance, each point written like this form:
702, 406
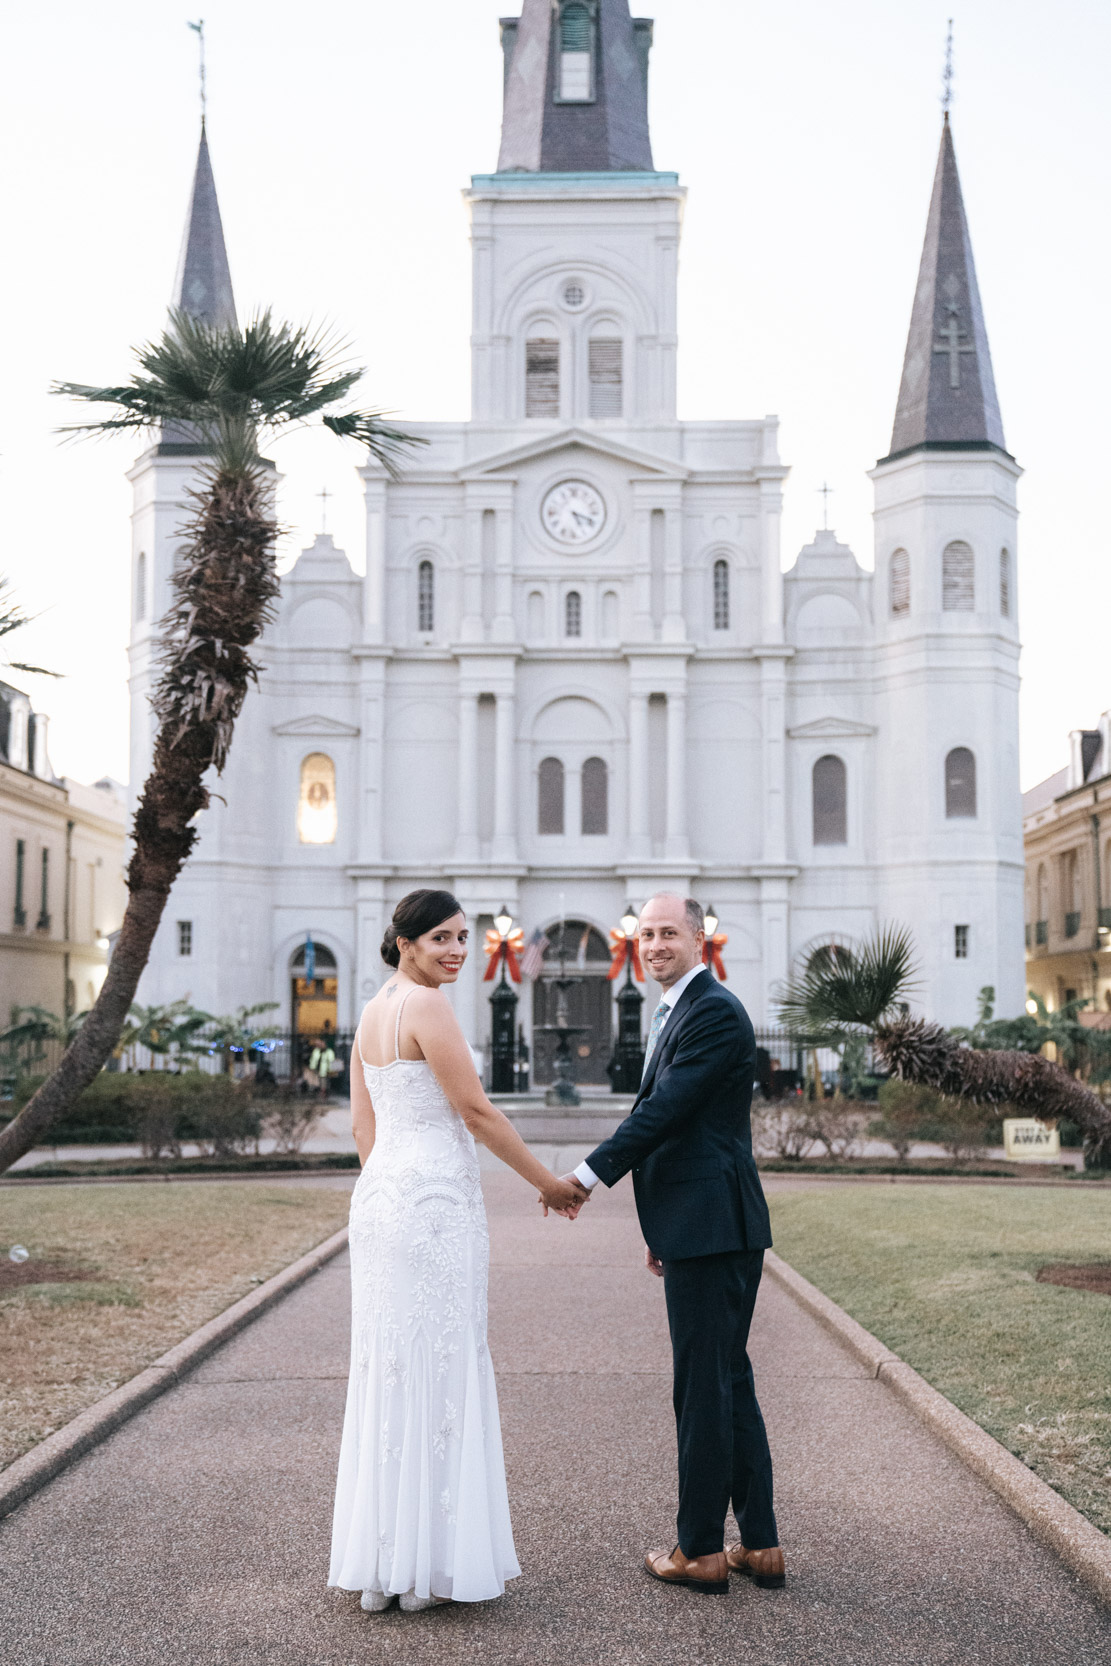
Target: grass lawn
128, 1271
945, 1275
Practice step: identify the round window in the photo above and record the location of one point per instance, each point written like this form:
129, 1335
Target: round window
573, 295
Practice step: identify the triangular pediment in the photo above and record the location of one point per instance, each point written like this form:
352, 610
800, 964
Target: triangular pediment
317, 727
830, 728
570, 439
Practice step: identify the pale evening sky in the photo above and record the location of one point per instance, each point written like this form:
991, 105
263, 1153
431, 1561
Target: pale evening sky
341, 137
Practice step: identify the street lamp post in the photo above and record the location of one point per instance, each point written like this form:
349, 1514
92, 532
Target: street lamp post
503, 1021
627, 1065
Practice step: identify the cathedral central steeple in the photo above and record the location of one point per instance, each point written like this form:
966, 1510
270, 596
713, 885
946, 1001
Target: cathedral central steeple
576, 89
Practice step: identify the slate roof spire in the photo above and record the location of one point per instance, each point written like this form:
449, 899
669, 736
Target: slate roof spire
576, 88
203, 284
947, 399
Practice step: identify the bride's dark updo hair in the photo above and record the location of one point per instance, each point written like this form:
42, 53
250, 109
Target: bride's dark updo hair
415, 914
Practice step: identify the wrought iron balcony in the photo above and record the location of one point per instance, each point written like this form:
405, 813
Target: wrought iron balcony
1072, 925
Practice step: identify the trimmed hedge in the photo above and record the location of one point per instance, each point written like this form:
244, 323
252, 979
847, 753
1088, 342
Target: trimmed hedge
153, 1108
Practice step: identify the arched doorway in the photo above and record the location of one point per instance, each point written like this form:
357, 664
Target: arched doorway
315, 991
581, 954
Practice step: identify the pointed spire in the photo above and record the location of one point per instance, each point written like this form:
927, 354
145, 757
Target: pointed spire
947, 399
203, 285
576, 89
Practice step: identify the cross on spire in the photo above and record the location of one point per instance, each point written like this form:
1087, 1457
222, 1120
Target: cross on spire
952, 336
947, 73
825, 492
324, 496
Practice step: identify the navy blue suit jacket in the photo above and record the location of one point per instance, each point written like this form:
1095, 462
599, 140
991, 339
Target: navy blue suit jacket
688, 1138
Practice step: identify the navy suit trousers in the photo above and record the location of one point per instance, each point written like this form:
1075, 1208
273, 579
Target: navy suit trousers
723, 1446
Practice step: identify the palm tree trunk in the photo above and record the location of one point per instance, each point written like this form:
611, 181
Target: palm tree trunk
920, 1052
224, 589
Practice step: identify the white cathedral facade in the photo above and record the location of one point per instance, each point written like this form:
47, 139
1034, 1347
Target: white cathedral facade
575, 671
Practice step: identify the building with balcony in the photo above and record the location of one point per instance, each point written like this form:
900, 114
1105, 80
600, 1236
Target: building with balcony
1067, 837
62, 892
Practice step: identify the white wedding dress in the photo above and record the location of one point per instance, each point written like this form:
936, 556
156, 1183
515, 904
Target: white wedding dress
421, 1502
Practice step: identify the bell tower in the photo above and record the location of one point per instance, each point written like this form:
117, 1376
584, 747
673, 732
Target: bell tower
948, 813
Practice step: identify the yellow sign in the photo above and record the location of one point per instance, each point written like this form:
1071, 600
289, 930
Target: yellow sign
1026, 1140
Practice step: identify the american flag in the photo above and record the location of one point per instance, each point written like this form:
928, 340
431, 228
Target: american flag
532, 961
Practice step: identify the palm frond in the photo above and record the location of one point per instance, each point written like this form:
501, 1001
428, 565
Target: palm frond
384, 443
850, 990
234, 387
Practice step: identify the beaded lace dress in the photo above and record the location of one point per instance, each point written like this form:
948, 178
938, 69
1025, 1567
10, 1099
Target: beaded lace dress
421, 1501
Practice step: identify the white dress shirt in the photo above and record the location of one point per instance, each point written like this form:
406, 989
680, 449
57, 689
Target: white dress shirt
584, 1173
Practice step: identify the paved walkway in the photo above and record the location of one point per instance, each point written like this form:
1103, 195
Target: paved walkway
199, 1533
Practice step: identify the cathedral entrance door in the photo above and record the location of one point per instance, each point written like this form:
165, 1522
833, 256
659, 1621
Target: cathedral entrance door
315, 1001
589, 999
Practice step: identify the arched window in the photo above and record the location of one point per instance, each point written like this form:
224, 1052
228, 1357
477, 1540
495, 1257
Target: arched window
576, 41
1005, 583
572, 614
721, 595
606, 370
535, 616
595, 797
960, 783
958, 586
141, 586
317, 820
830, 795
611, 620
426, 597
900, 583
542, 377
550, 806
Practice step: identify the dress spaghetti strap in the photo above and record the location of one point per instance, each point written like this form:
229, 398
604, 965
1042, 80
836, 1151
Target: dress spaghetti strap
397, 1028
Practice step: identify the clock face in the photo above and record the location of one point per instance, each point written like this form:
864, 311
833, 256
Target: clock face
573, 512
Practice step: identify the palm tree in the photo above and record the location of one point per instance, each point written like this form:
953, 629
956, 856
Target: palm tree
866, 993
165, 1031
234, 390
235, 1036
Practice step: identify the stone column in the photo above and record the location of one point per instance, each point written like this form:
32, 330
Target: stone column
374, 584
678, 842
505, 793
466, 844
639, 824
505, 626
773, 699
774, 913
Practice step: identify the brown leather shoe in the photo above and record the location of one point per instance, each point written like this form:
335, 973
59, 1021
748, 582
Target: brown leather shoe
708, 1574
766, 1567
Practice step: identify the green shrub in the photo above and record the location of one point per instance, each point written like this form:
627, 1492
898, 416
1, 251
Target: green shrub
909, 1112
158, 1110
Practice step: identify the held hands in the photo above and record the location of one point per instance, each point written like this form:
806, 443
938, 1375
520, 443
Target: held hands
653, 1262
564, 1197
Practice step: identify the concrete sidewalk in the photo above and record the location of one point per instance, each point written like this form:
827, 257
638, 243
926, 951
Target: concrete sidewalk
199, 1533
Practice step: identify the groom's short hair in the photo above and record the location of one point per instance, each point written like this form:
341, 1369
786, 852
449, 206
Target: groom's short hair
696, 916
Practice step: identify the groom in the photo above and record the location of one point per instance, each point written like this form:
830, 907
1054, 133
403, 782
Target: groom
688, 1142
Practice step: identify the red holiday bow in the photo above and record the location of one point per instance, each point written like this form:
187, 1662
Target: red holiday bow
623, 950
501, 949
711, 955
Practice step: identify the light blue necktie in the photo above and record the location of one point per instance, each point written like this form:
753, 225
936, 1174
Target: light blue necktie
659, 1019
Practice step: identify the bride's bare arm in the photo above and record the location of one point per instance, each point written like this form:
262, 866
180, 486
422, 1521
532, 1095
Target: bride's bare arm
440, 1039
362, 1111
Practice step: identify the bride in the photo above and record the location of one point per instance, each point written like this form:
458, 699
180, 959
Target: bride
421, 1510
